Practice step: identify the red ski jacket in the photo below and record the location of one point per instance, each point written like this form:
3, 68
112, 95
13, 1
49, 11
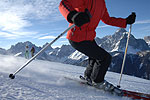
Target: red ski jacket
98, 11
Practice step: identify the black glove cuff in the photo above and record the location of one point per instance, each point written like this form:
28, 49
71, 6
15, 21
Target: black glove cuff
70, 15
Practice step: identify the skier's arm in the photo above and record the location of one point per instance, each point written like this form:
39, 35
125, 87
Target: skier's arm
67, 7
119, 22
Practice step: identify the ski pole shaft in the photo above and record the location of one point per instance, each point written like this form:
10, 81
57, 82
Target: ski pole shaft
124, 56
12, 76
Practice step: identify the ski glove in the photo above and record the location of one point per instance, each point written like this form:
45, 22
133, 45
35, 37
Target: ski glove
78, 18
131, 18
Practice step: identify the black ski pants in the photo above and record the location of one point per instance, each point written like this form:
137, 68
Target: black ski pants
99, 59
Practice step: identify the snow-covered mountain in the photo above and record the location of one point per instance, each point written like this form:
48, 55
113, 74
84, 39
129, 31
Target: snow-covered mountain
111, 43
61, 54
20, 47
135, 65
3, 51
44, 80
147, 39
19, 50
49, 49
51, 54
115, 44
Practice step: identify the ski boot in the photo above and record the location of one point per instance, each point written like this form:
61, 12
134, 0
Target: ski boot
106, 86
89, 81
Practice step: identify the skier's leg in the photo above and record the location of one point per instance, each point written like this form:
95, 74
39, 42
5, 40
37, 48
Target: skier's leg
100, 68
92, 50
89, 67
26, 55
32, 54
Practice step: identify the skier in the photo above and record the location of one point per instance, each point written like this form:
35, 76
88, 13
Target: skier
32, 51
27, 52
86, 14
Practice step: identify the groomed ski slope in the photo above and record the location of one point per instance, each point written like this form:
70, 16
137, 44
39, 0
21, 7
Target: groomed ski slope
43, 80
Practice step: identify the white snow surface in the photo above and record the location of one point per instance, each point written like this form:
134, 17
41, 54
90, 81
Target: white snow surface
43, 80
18, 54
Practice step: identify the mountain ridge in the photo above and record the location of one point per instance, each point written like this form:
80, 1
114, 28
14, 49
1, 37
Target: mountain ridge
115, 44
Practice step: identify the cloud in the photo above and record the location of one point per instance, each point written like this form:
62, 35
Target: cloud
45, 8
143, 22
137, 22
64, 41
103, 26
10, 21
47, 37
17, 16
145, 27
50, 37
37, 9
7, 35
13, 20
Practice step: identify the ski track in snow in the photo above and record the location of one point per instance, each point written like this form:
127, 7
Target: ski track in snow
43, 80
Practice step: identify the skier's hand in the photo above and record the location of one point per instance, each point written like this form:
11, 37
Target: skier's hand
78, 18
131, 18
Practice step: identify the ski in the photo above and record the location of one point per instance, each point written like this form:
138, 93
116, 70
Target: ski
127, 93
136, 95
116, 91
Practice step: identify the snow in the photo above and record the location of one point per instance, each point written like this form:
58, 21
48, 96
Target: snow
18, 54
131, 50
141, 65
148, 42
116, 54
116, 48
77, 55
43, 80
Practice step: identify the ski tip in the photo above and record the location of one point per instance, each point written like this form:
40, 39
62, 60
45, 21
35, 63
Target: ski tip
11, 76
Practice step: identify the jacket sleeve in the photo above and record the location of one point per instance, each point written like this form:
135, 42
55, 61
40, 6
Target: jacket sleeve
119, 22
66, 6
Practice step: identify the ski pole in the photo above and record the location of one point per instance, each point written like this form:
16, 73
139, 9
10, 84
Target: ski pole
12, 76
124, 56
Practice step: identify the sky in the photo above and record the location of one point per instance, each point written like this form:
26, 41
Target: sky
39, 21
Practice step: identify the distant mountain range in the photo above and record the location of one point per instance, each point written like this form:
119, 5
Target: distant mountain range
137, 62
117, 42
147, 39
